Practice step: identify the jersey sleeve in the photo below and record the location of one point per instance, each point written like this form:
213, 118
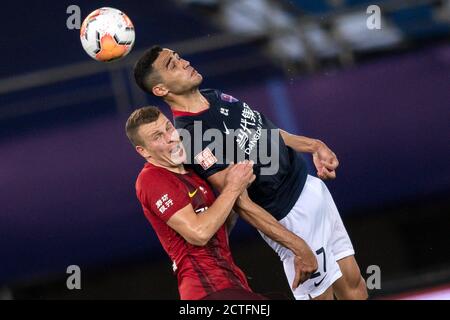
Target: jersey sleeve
163, 195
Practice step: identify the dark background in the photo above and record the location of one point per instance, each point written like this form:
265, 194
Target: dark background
67, 171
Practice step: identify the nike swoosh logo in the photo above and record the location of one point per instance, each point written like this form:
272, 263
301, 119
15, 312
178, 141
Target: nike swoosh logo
226, 129
316, 284
192, 194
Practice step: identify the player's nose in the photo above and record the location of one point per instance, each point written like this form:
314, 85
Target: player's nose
174, 136
168, 137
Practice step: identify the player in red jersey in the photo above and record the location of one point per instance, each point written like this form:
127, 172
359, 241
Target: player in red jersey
189, 220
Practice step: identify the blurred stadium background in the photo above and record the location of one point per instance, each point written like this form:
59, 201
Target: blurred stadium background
379, 98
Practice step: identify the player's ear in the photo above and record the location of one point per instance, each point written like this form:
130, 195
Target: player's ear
141, 150
160, 90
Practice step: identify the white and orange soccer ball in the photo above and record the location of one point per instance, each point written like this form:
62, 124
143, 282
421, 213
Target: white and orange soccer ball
107, 34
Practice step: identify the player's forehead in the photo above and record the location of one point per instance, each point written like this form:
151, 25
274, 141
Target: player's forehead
155, 126
164, 57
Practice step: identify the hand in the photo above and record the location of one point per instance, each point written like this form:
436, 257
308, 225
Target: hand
325, 161
239, 177
305, 264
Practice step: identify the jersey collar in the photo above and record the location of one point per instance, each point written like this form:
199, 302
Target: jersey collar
177, 113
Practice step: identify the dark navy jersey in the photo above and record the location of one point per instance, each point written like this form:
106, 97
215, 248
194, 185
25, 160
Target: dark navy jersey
230, 130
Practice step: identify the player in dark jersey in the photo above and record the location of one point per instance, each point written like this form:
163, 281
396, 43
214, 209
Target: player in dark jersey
302, 212
184, 212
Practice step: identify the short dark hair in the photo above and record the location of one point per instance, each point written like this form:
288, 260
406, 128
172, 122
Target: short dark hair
143, 69
136, 119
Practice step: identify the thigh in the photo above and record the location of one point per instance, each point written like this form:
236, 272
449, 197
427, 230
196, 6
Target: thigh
351, 277
339, 239
327, 295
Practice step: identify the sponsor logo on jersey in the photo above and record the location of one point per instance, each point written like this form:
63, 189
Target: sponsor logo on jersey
206, 159
192, 194
316, 284
164, 203
250, 129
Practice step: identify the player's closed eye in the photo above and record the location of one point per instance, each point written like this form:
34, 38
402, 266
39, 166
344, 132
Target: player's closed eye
173, 63
156, 137
169, 126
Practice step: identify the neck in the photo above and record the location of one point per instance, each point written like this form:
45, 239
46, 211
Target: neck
176, 169
192, 102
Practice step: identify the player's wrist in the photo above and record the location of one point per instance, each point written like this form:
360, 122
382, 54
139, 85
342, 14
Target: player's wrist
230, 191
316, 145
299, 247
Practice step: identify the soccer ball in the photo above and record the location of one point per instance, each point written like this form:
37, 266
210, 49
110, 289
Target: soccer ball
107, 34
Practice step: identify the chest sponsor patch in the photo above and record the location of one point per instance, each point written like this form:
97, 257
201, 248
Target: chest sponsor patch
206, 158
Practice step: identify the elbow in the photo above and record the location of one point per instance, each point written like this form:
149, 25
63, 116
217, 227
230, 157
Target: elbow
197, 242
199, 238
202, 242
203, 238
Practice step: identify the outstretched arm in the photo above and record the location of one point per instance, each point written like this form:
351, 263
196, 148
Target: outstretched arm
305, 262
324, 159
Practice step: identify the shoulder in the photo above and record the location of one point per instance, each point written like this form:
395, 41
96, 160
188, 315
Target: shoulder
211, 93
218, 95
156, 178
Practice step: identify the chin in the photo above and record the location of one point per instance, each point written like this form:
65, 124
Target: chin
198, 80
177, 163
181, 160
178, 160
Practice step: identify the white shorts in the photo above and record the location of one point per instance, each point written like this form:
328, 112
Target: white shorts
315, 219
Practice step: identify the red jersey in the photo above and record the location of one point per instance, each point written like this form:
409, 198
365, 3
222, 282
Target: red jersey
200, 270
